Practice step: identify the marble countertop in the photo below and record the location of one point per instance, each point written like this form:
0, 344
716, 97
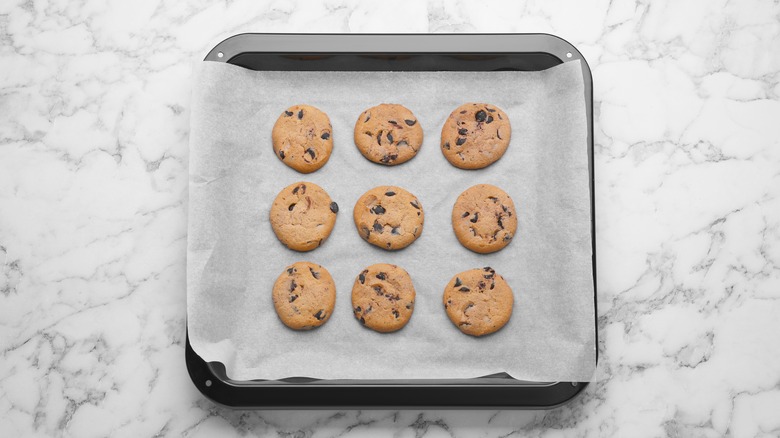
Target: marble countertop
94, 111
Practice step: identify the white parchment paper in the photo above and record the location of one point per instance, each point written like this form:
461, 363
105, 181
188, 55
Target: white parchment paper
233, 257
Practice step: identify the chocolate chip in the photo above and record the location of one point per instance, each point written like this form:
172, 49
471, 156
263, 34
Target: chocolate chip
290, 271
463, 131
366, 231
362, 320
498, 134
334, 207
377, 227
464, 289
379, 138
320, 315
378, 209
410, 122
392, 122
288, 113
468, 306
415, 204
388, 158
293, 285
291, 207
368, 117
281, 155
466, 214
500, 224
389, 244
311, 153
507, 238
481, 284
293, 298
314, 273
381, 276
457, 282
492, 285
460, 141
480, 116
396, 314
378, 289
358, 309
362, 276
491, 110
409, 306
389, 193
463, 112
392, 298
489, 119
301, 188
447, 145
396, 231
300, 114
390, 137
325, 136
493, 198
499, 117
475, 218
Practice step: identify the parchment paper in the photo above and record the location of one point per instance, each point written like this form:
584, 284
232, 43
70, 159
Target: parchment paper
233, 257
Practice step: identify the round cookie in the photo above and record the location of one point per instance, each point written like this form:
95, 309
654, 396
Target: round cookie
389, 217
388, 134
303, 215
478, 301
383, 297
484, 218
475, 135
303, 138
304, 296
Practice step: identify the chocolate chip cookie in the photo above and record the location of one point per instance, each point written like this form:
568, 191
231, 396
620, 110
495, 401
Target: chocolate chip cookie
388, 134
475, 135
304, 296
484, 218
478, 301
303, 138
383, 297
389, 217
303, 215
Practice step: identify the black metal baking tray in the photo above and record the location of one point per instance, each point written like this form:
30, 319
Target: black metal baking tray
408, 52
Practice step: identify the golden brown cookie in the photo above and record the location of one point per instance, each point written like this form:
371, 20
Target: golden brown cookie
478, 301
389, 217
383, 297
303, 138
388, 134
484, 218
303, 216
475, 135
304, 296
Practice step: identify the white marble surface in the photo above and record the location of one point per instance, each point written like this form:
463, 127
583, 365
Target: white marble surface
94, 101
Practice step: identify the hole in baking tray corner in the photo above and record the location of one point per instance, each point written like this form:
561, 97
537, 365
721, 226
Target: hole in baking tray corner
568, 55
573, 383
220, 54
208, 383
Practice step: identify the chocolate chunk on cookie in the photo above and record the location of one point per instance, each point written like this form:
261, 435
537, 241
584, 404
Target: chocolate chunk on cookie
303, 138
388, 134
478, 301
303, 215
383, 297
389, 217
484, 218
304, 296
475, 135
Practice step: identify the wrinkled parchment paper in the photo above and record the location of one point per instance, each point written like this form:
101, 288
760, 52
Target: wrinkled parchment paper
233, 257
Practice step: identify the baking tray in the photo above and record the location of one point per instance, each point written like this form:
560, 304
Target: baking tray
407, 52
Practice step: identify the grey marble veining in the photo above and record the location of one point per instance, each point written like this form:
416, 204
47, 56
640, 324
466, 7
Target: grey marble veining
94, 104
